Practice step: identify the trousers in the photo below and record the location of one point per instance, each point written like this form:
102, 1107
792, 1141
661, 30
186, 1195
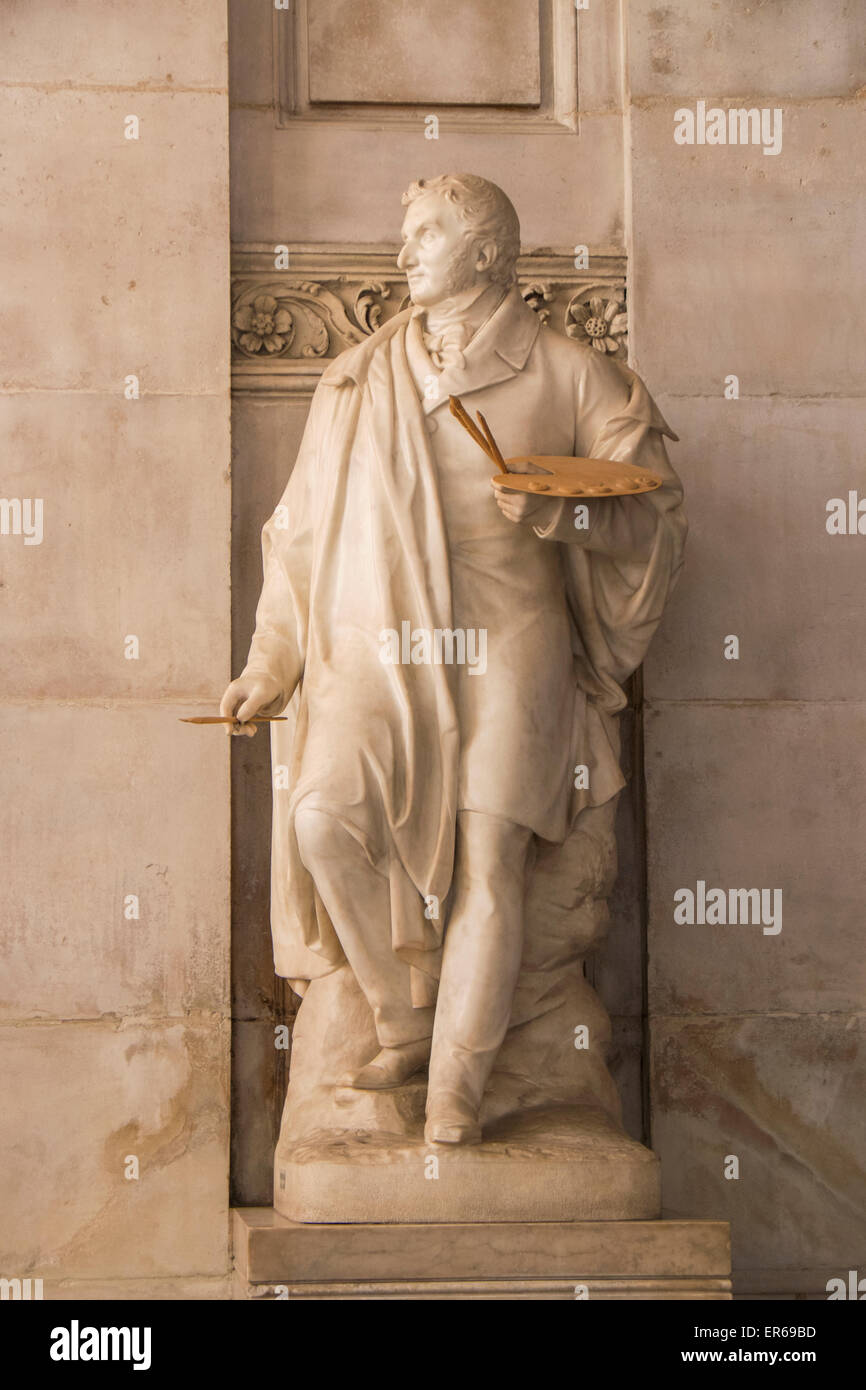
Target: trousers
482, 948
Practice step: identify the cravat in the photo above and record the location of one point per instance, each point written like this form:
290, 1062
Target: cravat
446, 346
449, 328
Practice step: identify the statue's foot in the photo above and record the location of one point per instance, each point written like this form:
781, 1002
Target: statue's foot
390, 1067
453, 1122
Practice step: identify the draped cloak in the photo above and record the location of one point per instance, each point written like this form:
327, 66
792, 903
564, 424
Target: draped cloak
388, 518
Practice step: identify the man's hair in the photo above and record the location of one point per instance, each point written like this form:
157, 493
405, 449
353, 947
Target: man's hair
487, 211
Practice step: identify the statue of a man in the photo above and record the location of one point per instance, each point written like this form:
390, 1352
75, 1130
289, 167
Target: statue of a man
454, 649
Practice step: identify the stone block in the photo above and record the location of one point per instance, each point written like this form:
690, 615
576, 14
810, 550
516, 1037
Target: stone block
760, 563
689, 47
391, 51
137, 547
753, 276
783, 1095
110, 43
327, 183
101, 803
132, 257
767, 797
87, 1097
514, 1260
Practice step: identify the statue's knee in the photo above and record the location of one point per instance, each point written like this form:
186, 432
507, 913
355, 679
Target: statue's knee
319, 835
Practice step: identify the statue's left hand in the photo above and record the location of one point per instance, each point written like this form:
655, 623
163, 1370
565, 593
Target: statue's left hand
524, 506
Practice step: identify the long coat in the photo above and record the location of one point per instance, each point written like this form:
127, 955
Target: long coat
388, 517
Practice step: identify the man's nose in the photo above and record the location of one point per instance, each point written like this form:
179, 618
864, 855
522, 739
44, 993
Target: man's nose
403, 260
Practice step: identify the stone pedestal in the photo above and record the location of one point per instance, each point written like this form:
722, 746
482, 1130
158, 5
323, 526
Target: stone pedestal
277, 1259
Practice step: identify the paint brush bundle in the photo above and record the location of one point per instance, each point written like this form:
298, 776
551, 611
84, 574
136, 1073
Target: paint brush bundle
554, 475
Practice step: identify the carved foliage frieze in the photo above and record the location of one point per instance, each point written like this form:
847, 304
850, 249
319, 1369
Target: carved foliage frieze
287, 324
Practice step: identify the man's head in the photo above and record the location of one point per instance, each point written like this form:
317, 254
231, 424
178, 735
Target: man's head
459, 231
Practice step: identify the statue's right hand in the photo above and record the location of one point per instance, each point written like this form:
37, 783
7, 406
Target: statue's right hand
248, 696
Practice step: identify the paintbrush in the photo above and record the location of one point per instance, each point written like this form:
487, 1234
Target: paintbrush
230, 719
559, 476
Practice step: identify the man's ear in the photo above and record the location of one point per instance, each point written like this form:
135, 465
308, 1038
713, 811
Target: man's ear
486, 253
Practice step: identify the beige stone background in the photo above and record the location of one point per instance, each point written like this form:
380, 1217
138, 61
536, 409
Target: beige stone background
117, 1032
752, 265
115, 1036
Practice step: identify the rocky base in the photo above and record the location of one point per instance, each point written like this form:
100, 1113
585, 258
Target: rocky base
555, 1164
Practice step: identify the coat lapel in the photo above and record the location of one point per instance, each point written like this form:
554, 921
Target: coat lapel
498, 351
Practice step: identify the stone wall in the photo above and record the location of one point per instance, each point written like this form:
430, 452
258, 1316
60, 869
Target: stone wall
741, 264
115, 1014
749, 265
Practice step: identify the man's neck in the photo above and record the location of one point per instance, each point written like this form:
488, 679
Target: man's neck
473, 307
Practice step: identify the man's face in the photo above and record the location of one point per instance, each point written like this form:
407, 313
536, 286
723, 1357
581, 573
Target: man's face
439, 252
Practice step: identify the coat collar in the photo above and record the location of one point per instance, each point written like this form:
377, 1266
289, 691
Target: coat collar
498, 351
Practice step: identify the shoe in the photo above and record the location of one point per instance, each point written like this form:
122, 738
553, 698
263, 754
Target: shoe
454, 1122
389, 1068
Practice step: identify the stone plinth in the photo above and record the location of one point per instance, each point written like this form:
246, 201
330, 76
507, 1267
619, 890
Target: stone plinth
278, 1259
564, 1164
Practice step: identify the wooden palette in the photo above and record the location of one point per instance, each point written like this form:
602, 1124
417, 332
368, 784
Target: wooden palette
576, 477
553, 475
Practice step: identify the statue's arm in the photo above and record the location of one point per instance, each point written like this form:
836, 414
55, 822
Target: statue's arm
275, 662
276, 651
623, 527
614, 418
619, 526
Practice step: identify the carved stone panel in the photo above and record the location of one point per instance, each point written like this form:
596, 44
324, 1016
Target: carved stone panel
451, 53
494, 65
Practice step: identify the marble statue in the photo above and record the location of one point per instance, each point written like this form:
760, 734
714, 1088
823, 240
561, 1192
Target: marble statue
449, 653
